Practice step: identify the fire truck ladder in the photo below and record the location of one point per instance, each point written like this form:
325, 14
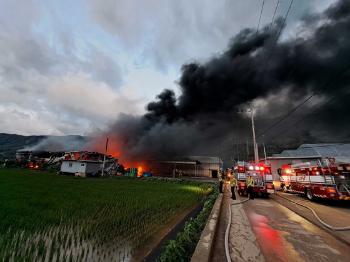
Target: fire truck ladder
328, 179
346, 188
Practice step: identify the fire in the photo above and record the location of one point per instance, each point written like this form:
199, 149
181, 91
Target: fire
139, 171
117, 148
113, 149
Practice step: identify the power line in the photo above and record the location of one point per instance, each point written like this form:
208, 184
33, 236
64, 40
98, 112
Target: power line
288, 128
339, 75
285, 116
261, 11
274, 13
285, 18
277, 36
305, 100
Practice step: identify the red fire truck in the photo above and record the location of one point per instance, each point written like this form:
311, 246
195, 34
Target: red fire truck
323, 179
261, 174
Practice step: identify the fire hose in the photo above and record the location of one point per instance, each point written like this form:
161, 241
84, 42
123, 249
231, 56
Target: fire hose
227, 252
228, 258
317, 217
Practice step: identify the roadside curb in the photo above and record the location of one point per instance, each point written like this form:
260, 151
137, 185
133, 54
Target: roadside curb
205, 244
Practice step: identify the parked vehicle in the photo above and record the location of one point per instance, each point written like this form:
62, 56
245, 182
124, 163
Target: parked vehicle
325, 179
261, 173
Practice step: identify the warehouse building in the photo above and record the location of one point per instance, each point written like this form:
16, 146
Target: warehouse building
191, 166
339, 151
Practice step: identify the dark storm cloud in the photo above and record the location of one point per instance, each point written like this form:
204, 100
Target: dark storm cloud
254, 67
257, 65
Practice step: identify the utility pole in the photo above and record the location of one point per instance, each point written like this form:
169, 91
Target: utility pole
235, 150
255, 146
264, 151
104, 159
247, 147
265, 154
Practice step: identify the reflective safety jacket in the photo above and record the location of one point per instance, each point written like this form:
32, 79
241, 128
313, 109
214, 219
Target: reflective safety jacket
250, 181
233, 181
220, 176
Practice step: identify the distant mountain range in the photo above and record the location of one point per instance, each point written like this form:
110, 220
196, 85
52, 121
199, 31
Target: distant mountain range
10, 143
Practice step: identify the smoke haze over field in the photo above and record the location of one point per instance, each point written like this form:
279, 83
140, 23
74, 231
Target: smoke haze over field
257, 68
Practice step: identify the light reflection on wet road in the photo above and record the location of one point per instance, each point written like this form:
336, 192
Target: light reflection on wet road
285, 236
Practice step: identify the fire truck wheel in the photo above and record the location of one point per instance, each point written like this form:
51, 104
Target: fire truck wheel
285, 189
309, 194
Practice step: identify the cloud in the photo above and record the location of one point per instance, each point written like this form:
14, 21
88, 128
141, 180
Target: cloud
23, 121
170, 33
47, 84
255, 68
81, 97
66, 68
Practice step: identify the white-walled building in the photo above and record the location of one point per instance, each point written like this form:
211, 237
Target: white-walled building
86, 164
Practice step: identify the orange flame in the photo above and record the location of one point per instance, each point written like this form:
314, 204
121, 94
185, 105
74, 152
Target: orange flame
115, 149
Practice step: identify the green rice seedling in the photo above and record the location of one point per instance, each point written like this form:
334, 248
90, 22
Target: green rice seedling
65, 218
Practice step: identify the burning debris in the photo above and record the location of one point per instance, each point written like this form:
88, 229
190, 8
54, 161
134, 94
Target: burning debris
38, 159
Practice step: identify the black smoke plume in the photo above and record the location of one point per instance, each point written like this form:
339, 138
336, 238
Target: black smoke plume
260, 68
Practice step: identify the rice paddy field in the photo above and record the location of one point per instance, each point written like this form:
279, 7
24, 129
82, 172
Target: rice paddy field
46, 217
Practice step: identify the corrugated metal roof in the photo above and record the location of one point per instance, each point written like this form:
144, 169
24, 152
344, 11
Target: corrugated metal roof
321, 150
206, 159
192, 159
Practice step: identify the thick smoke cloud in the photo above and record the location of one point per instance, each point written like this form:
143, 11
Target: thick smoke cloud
255, 67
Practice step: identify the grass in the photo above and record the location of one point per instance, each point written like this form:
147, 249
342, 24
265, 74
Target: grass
182, 247
64, 218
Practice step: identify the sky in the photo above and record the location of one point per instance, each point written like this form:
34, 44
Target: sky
73, 67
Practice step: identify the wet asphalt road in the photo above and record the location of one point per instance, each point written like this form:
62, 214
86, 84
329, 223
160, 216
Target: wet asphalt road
336, 214
282, 235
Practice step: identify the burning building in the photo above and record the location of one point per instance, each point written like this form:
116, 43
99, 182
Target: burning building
84, 163
36, 159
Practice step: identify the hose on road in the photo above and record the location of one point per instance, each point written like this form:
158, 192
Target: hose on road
228, 258
241, 202
317, 217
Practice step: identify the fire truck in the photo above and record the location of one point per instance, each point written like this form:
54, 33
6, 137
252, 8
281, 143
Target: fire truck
261, 174
323, 179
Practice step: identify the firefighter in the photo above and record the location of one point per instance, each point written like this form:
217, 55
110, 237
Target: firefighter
220, 181
250, 187
233, 183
